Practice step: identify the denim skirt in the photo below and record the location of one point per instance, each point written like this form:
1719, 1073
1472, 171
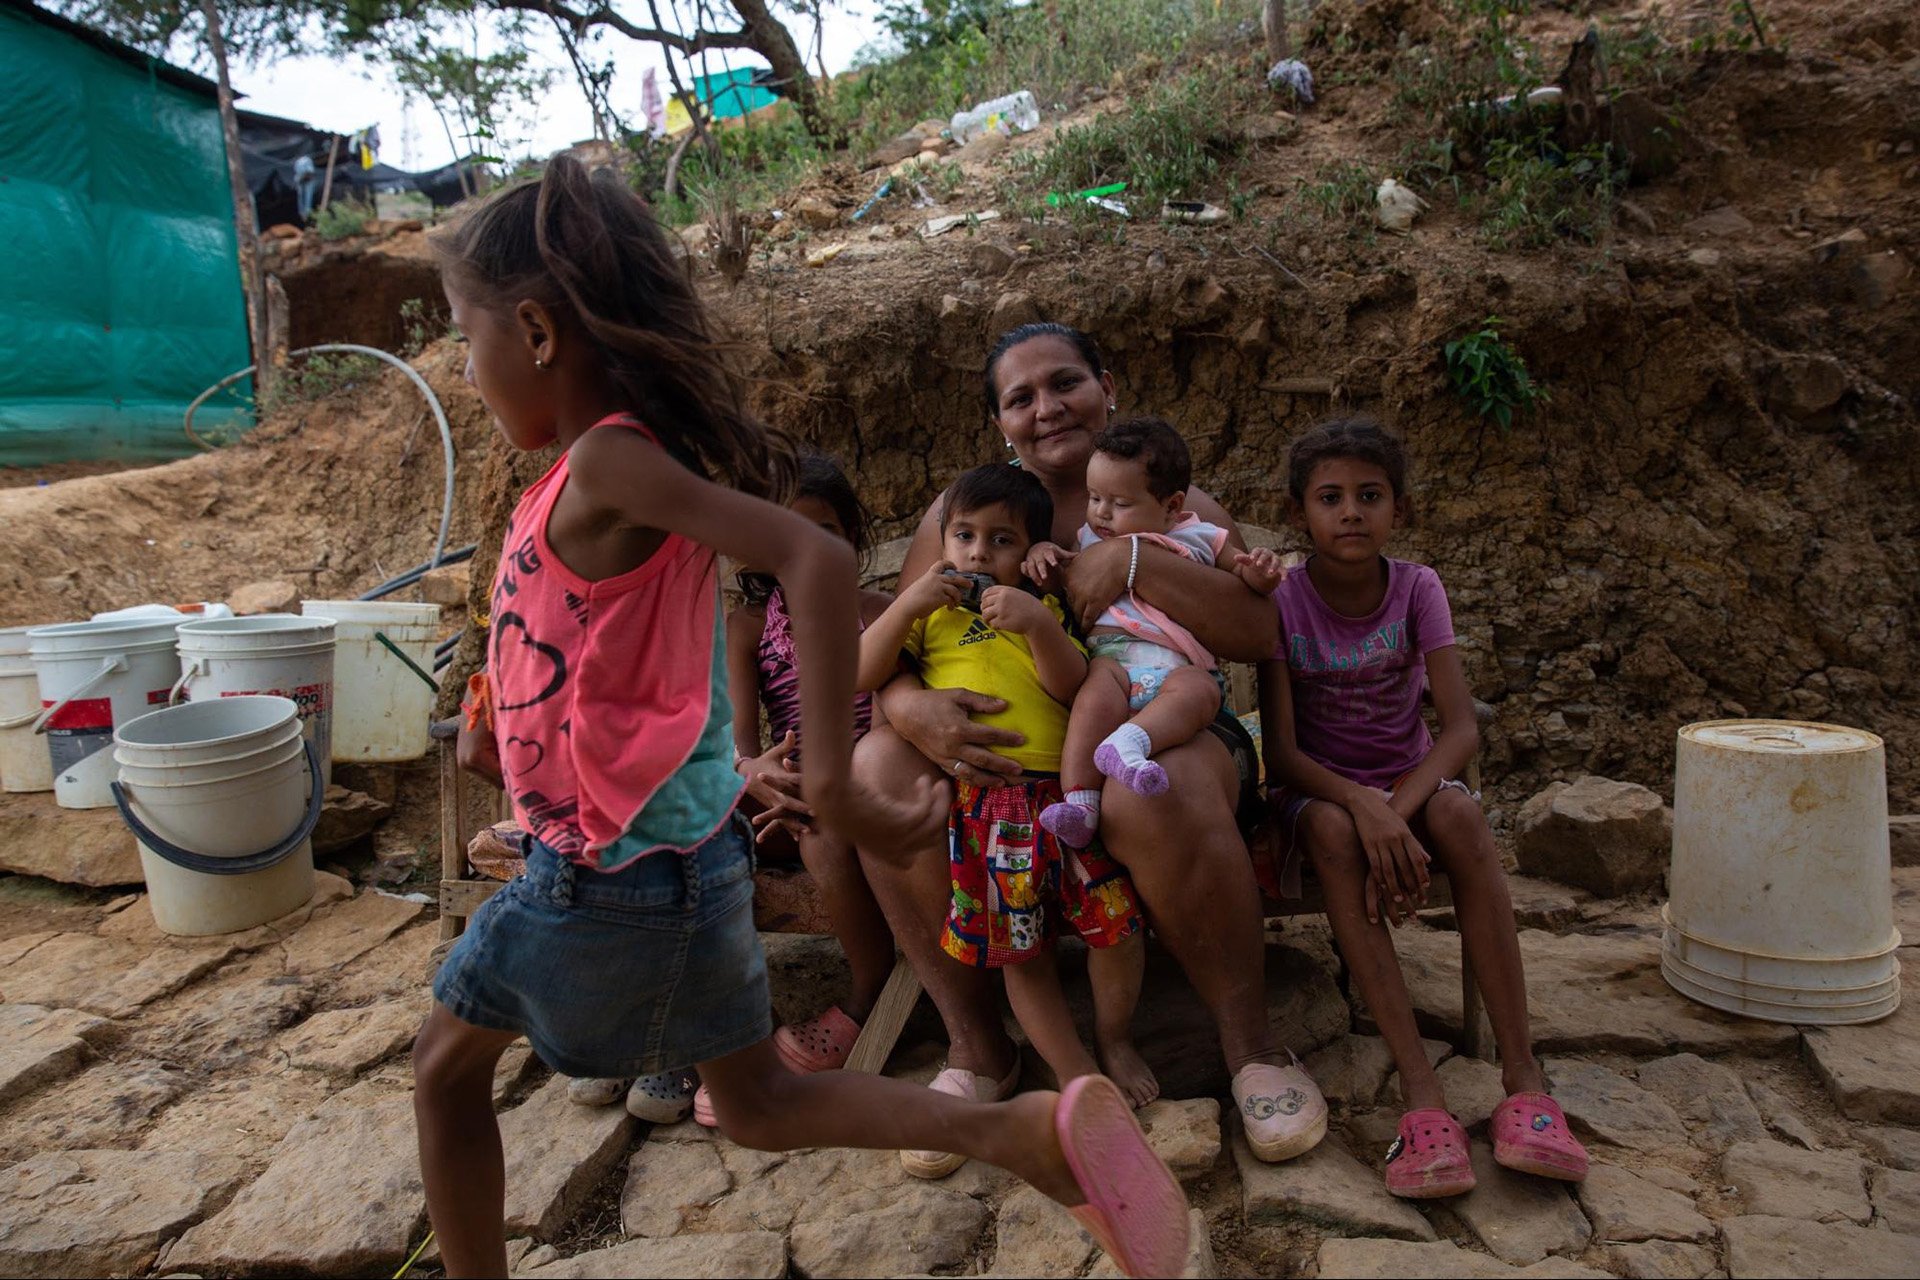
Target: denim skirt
653, 967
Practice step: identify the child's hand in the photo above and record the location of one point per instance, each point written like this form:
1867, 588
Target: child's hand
1043, 563
1397, 863
775, 783
1262, 569
1013, 610
935, 589
895, 825
478, 752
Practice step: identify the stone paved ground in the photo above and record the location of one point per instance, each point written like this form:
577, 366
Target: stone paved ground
240, 1106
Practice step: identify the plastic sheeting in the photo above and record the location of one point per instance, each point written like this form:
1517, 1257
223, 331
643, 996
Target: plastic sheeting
120, 299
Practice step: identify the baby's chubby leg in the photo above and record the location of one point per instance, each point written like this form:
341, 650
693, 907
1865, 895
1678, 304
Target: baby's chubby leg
1187, 702
1098, 709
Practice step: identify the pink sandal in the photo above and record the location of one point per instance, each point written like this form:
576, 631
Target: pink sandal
703, 1114
1429, 1159
1135, 1209
1530, 1134
818, 1044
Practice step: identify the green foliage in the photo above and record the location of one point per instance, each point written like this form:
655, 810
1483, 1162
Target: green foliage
309, 379
1536, 196
423, 322
1343, 194
340, 219
1172, 141
1490, 376
1453, 81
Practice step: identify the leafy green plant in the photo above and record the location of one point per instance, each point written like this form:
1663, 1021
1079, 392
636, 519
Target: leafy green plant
1490, 376
309, 379
341, 219
1536, 196
1172, 142
1343, 193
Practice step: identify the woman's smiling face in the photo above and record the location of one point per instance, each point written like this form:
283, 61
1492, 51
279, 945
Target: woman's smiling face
1050, 404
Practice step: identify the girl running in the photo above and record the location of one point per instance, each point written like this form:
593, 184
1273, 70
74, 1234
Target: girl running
628, 945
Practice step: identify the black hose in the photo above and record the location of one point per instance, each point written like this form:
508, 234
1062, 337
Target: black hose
419, 571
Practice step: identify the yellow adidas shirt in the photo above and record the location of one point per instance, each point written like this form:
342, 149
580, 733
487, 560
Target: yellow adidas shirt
955, 649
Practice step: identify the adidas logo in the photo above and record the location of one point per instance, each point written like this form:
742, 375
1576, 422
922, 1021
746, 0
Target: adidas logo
978, 632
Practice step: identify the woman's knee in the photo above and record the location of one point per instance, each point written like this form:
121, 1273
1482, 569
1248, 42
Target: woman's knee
447, 1052
1197, 805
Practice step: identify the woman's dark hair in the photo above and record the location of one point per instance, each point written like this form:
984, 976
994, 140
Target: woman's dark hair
1088, 349
819, 477
997, 484
1157, 446
1361, 439
586, 247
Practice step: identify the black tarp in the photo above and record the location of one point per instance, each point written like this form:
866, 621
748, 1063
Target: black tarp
270, 146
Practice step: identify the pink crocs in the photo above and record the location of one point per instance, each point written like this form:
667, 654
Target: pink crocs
1530, 1134
1429, 1159
818, 1044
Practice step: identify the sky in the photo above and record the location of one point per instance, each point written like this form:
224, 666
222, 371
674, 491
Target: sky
349, 94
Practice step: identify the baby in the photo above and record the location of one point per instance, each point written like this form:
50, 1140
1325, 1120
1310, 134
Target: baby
1143, 661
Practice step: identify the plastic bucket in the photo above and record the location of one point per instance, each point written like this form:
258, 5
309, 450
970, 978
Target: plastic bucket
383, 692
222, 797
276, 653
25, 763
1781, 889
93, 677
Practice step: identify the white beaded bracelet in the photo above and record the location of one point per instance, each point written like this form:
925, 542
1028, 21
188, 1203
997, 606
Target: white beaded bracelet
1133, 560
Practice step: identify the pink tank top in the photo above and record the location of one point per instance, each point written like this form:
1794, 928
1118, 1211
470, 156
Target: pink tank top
609, 697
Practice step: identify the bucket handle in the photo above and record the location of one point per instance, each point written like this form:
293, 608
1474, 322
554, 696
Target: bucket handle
21, 721
401, 654
192, 861
188, 670
118, 662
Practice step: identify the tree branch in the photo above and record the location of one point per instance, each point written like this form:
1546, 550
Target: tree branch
606, 16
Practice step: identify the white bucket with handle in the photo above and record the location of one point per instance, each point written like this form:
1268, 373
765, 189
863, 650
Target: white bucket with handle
93, 677
25, 763
276, 653
1781, 903
384, 688
222, 797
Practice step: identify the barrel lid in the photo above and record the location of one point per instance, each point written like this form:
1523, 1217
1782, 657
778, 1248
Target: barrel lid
1782, 737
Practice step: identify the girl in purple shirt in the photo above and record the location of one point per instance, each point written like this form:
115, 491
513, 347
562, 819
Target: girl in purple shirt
1371, 797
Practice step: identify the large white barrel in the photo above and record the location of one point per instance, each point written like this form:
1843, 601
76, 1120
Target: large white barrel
382, 683
274, 653
95, 676
1781, 891
211, 789
25, 763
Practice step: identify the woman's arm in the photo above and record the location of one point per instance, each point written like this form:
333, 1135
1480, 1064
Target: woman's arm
1459, 738
1223, 615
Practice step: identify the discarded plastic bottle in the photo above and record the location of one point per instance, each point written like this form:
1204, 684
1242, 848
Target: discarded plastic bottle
1015, 113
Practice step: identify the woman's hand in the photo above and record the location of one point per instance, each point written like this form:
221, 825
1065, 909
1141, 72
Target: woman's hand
938, 722
1096, 577
775, 784
1396, 860
893, 825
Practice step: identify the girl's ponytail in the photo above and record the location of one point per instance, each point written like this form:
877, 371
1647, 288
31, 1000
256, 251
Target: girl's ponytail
588, 246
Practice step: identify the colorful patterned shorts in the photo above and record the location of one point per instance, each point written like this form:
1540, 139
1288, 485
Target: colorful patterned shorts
1015, 887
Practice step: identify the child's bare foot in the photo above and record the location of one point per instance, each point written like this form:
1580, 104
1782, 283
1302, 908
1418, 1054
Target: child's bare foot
1122, 1064
1035, 1154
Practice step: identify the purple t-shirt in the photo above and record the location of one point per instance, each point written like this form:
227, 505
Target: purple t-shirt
1357, 681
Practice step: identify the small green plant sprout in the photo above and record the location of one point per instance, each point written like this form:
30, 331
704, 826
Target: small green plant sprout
1490, 376
338, 221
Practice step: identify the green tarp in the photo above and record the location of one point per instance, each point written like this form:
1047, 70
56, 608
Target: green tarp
120, 299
